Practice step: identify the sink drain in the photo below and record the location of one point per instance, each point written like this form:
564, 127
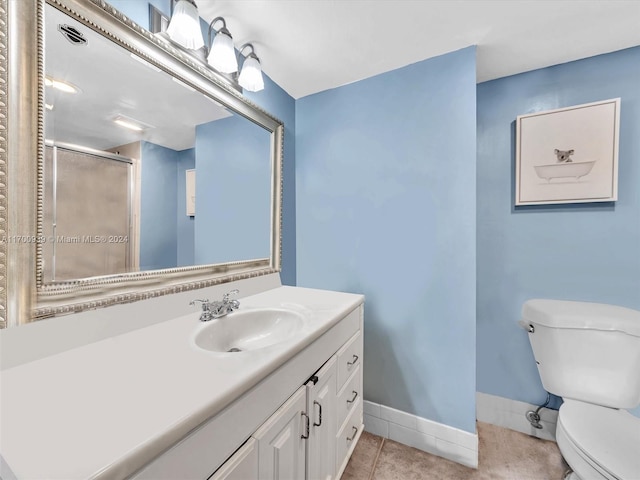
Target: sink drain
234, 349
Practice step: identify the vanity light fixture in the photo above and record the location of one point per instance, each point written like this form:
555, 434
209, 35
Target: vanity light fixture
251, 74
222, 54
130, 123
60, 85
184, 27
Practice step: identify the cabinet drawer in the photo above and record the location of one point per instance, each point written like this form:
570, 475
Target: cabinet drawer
348, 397
349, 358
348, 437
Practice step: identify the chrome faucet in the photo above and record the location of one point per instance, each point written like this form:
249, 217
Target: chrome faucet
211, 310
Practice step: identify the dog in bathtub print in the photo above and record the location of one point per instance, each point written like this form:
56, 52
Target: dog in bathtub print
564, 167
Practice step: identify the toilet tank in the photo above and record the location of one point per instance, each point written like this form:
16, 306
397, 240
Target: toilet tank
586, 351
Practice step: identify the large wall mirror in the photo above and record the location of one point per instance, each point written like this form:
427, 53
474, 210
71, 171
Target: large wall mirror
153, 176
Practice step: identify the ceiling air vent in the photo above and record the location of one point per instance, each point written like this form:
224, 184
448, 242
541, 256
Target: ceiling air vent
71, 34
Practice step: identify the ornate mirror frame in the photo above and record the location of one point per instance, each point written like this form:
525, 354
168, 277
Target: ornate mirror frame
23, 296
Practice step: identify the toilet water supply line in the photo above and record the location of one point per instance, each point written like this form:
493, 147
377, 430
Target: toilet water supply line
534, 416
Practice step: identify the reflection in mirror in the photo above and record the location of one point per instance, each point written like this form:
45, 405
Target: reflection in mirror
122, 139
85, 192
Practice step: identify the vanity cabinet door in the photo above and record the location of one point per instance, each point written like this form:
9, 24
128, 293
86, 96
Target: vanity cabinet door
281, 440
243, 465
321, 405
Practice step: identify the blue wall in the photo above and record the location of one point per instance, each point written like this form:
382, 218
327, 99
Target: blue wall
185, 227
585, 252
386, 179
158, 207
166, 232
233, 191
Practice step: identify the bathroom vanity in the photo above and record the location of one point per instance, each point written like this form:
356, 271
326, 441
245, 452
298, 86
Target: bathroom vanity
159, 402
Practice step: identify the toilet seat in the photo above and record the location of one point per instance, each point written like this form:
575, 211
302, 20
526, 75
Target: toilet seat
599, 442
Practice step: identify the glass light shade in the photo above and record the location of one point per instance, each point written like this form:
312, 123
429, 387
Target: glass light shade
222, 56
184, 27
251, 75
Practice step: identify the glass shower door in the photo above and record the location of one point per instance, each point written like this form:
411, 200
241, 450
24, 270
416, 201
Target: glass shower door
87, 214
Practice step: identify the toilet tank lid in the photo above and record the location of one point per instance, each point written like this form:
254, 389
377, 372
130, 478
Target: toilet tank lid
567, 314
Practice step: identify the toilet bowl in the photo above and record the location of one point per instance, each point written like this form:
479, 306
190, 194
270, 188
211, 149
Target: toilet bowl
589, 354
599, 442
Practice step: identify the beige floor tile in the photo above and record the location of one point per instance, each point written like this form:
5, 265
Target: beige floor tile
399, 462
361, 463
504, 455
508, 454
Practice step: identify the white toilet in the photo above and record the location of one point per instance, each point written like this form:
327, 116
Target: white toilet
589, 354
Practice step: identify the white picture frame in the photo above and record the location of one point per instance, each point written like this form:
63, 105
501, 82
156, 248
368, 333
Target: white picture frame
568, 155
191, 192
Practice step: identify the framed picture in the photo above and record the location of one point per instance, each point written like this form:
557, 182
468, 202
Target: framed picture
568, 155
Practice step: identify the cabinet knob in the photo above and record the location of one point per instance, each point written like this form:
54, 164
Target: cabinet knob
355, 395
355, 431
355, 359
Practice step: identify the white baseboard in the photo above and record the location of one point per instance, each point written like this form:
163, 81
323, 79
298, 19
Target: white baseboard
510, 414
426, 435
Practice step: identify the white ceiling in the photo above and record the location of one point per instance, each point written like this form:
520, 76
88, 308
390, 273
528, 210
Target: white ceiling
113, 83
307, 46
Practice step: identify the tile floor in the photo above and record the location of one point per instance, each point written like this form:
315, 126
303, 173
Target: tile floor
504, 455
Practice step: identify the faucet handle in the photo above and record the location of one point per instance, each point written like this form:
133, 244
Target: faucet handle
225, 297
204, 302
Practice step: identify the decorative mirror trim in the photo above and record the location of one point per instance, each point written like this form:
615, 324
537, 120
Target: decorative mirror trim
3, 163
21, 70
24, 132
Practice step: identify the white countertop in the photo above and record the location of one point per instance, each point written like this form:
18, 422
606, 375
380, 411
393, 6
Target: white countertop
107, 408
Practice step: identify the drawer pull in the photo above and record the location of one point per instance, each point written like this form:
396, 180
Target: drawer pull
319, 414
355, 359
306, 426
355, 431
355, 395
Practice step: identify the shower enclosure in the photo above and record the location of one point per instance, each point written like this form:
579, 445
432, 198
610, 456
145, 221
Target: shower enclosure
87, 212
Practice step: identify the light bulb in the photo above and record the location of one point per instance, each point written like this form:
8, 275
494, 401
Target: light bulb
222, 56
251, 74
184, 27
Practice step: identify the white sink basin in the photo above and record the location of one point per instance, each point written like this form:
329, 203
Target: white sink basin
247, 330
